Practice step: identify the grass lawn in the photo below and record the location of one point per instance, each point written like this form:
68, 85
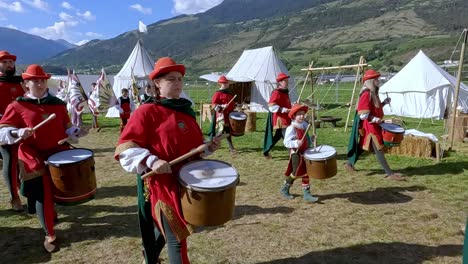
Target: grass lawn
360, 217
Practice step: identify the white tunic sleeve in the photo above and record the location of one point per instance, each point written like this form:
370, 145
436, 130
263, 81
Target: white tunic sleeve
5, 136
132, 160
290, 139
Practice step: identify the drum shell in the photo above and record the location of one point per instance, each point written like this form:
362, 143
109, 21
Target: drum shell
391, 139
211, 208
321, 169
237, 125
73, 183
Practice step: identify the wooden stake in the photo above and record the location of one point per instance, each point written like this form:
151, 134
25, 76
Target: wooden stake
305, 82
358, 71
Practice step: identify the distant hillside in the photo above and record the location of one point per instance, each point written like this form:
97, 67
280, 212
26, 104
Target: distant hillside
66, 43
329, 32
30, 48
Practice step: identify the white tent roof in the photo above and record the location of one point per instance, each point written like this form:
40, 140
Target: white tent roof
142, 65
421, 89
260, 66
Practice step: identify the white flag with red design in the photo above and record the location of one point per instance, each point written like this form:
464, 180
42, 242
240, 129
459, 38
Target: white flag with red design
78, 98
102, 97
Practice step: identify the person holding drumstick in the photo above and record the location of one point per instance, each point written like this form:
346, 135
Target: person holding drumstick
38, 143
297, 141
10, 88
223, 105
156, 134
366, 134
279, 105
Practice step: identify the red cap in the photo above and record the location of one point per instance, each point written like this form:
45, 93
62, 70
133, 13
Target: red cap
35, 71
165, 65
370, 74
296, 108
223, 79
281, 76
6, 55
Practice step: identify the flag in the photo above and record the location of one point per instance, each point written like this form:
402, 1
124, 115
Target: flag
102, 97
78, 97
135, 92
142, 27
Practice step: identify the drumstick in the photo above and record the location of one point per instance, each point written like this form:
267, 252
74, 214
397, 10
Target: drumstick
187, 155
60, 142
52, 116
305, 134
234, 97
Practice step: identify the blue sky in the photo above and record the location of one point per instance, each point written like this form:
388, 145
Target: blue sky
78, 21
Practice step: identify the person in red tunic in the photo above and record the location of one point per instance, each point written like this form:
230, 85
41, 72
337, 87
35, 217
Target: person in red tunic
10, 89
156, 134
220, 101
367, 133
36, 146
279, 104
124, 107
295, 141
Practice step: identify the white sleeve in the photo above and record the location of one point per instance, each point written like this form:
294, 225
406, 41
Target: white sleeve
274, 108
5, 136
364, 116
131, 160
290, 139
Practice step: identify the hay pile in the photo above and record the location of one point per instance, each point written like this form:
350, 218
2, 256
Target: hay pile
415, 147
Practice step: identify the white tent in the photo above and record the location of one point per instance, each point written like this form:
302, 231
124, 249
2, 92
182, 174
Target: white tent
260, 66
422, 90
140, 63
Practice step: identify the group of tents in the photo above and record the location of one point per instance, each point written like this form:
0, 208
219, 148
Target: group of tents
421, 89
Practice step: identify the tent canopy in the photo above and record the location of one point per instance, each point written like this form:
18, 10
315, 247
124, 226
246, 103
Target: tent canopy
260, 66
422, 90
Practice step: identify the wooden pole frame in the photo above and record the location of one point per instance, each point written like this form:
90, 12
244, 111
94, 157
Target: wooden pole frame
457, 88
351, 102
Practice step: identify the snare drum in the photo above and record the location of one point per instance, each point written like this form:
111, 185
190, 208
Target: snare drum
392, 134
208, 192
321, 162
237, 120
73, 176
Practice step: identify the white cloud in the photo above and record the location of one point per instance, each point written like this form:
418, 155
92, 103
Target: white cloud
11, 26
60, 30
13, 7
82, 42
141, 9
67, 5
87, 15
39, 4
193, 6
65, 17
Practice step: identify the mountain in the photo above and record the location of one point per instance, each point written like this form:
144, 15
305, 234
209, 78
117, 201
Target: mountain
328, 32
66, 43
29, 48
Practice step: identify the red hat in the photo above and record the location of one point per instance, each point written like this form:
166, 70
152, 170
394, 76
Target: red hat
35, 71
281, 76
165, 65
222, 79
6, 55
370, 74
296, 108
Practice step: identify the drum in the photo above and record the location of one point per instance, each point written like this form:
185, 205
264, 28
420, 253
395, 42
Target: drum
392, 134
73, 176
321, 162
237, 121
208, 192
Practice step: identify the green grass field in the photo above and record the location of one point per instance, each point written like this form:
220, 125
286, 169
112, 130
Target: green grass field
360, 217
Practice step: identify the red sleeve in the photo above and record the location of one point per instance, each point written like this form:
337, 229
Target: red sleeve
364, 102
216, 99
66, 118
274, 98
12, 118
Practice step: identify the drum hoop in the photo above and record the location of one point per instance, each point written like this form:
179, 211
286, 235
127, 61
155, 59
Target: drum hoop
199, 189
65, 164
320, 159
383, 125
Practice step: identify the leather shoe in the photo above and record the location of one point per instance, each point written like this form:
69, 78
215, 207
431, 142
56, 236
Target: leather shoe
396, 177
50, 244
16, 205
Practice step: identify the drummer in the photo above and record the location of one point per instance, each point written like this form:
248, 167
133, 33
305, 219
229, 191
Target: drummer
278, 106
35, 146
366, 134
297, 141
223, 106
156, 134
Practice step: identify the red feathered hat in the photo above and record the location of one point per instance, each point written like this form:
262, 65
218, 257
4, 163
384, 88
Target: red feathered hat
6, 55
165, 65
35, 71
296, 108
370, 74
281, 76
223, 79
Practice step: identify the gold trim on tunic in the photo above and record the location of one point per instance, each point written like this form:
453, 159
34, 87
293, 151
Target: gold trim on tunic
181, 232
124, 146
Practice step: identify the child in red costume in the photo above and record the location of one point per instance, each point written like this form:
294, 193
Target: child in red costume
297, 141
156, 134
36, 146
219, 101
124, 107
